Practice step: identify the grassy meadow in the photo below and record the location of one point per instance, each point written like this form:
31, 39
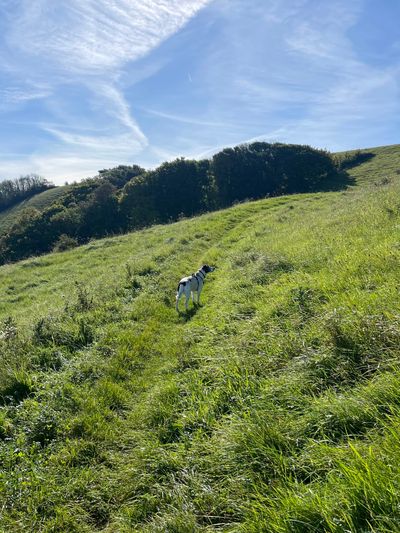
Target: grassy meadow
273, 407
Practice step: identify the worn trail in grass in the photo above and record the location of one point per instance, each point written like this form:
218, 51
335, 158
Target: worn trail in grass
273, 407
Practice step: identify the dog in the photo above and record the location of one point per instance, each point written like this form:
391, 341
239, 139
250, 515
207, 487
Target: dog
192, 284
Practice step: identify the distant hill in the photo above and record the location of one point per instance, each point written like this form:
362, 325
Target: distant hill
39, 201
129, 197
385, 162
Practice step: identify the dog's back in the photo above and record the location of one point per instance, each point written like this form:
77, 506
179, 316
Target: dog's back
192, 284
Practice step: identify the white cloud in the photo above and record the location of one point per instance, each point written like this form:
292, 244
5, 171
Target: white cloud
84, 43
61, 166
108, 144
185, 119
18, 95
315, 87
322, 34
119, 108
92, 36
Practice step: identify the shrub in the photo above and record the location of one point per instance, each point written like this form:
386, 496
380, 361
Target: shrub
65, 242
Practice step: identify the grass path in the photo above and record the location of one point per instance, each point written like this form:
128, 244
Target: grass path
273, 407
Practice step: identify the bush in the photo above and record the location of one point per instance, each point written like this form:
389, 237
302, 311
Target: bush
65, 242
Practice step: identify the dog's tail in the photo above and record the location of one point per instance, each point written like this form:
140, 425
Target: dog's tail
179, 285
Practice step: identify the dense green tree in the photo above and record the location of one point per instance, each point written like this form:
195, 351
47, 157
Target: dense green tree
261, 169
179, 188
243, 172
120, 175
137, 202
65, 220
26, 237
64, 242
174, 189
100, 214
300, 168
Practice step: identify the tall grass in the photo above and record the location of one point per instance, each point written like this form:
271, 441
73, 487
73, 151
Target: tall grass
273, 407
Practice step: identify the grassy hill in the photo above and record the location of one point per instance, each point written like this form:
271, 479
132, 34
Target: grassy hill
384, 163
273, 407
39, 201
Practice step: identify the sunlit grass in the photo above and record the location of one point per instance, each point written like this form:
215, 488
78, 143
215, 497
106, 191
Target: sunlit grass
273, 407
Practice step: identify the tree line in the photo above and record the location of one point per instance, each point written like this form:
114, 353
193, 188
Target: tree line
15, 191
126, 198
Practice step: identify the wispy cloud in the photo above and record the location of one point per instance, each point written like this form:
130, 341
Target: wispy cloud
119, 108
107, 144
314, 87
95, 35
186, 119
18, 95
15, 95
61, 167
85, 43
103, 82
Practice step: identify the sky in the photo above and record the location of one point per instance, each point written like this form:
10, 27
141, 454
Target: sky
91, 84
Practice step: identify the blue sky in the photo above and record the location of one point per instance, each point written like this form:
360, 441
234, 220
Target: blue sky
90, 84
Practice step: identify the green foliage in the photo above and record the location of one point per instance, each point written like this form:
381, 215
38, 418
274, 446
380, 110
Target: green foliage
187, 187
64, 242
272, 407
260, 169
119, 176
178, 188
126, 197
39, 201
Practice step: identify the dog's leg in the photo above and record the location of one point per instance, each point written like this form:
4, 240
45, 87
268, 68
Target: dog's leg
179, 293
178, 297
187, 296
198, 295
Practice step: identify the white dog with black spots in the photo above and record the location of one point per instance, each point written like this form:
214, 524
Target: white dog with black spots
191, 285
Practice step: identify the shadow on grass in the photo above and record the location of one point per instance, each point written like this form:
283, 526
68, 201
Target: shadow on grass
185, 316
354, 159
340, 182
342, 179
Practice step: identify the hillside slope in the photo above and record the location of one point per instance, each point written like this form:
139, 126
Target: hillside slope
384, 163
39, 201
116, 202
273, 407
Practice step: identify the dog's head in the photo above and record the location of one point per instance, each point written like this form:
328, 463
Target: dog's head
208, 268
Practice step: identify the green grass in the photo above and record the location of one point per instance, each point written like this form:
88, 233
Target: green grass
273, 407
384, 164
39, 201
